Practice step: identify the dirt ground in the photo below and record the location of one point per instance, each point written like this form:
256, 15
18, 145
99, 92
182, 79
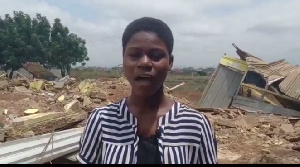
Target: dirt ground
242, 138
193, 97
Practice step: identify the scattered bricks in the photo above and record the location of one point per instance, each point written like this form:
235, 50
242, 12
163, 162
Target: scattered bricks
73, 106
35, 118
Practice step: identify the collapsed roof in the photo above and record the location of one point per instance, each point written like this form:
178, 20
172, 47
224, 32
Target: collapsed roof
286, 74
38, 71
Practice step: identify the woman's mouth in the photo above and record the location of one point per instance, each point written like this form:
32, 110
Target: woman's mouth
144, 80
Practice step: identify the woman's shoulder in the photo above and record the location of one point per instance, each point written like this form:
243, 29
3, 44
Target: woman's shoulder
108, 109
187, 112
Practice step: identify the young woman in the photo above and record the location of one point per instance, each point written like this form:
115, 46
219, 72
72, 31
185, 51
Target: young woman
147, 127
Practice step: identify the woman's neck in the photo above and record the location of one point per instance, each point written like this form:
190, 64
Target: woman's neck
152, 102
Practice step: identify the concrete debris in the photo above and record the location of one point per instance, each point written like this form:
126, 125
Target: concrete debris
61, 98
58, 85
32, 119
224, 123
86, 101
97, 101
37, 85
98, 95
293, 137
44, 123
296, 148
241, 123
73, 106
22, 89
38, 107
286, 128
3, 84
31, 111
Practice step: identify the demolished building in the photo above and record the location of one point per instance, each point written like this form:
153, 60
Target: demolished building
251, 84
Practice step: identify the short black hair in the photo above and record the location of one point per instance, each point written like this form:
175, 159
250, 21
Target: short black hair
149, 24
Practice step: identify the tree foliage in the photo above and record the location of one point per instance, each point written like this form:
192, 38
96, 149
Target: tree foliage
25, 39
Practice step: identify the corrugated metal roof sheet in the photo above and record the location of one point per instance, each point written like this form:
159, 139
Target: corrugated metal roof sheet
274, 71
291, 85
40, 149
277, 69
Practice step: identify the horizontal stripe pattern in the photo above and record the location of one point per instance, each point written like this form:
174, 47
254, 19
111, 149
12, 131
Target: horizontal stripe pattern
187, 137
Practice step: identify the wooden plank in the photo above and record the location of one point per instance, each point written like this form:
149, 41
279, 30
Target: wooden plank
215, 87
248, 104
273, 93
224, 89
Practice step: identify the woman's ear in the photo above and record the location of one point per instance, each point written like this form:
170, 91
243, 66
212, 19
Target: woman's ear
171, 62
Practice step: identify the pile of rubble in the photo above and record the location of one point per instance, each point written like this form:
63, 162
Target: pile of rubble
34, 107
255, 139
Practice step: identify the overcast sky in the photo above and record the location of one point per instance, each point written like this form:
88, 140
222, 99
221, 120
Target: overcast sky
203, 29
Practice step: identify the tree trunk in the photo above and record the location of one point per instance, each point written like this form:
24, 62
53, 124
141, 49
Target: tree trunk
11, 73
63, 73
69, 70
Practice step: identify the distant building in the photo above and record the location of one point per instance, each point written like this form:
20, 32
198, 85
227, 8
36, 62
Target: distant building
176, 71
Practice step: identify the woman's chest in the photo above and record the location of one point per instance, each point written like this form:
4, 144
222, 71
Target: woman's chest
128, 154
175, 146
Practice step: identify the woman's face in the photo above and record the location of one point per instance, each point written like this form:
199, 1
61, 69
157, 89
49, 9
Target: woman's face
146, 62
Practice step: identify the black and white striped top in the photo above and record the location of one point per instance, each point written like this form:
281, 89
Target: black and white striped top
110, 137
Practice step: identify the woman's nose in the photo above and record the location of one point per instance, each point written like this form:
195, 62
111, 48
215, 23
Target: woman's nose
145, 62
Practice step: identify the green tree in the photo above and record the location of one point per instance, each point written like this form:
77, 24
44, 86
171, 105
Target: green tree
67, 49
23, 39
13, 45
40, 40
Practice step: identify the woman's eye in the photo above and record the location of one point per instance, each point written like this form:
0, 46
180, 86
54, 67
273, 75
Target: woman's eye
136, 55
156, 57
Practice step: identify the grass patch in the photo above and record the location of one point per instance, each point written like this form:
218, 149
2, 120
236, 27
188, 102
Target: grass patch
191, 82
